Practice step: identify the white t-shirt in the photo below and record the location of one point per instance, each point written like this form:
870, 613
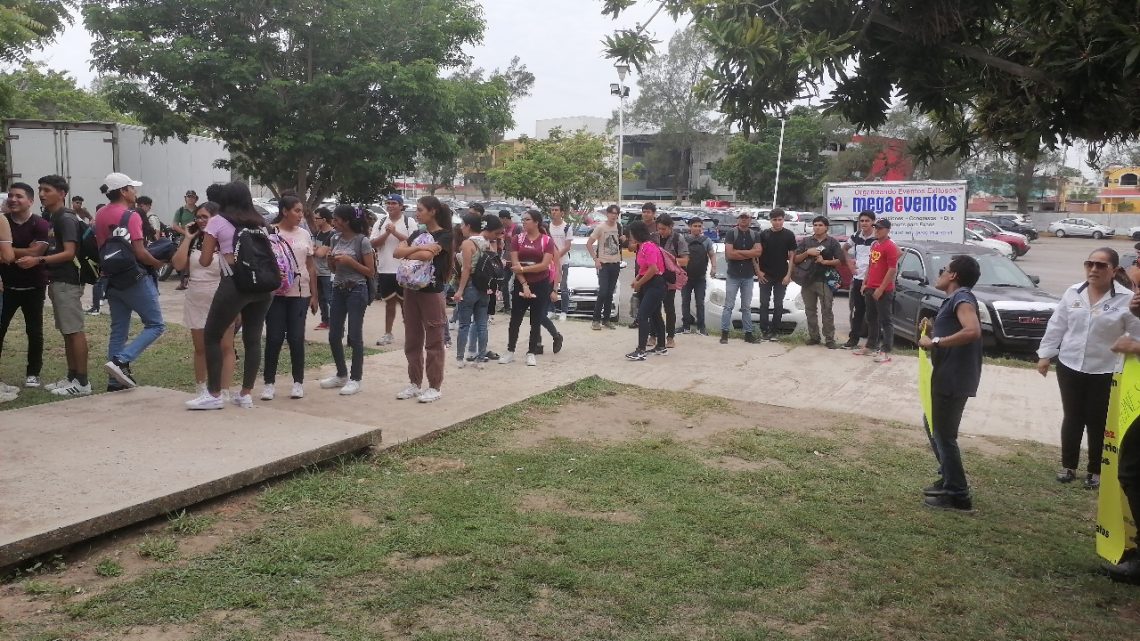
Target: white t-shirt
560, 234
302, 243
386, 262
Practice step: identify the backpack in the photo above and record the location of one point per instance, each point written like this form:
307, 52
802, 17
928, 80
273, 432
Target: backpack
255, 269
698, 266
416, 274
488, 272
287, 264
675, 276
117, 261
87, 254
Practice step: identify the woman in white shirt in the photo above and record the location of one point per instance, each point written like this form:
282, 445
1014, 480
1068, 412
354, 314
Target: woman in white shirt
1091, 316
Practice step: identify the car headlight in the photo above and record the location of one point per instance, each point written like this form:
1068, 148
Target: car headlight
984, 313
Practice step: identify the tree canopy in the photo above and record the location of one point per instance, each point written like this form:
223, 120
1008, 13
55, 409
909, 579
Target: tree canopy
34, 93
574, 170
319, 97
26, 25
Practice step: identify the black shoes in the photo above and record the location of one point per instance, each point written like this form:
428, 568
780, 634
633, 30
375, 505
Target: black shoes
557, 343
851, 343
121, 373
767, 336
1066, 476
950, 502
633, 325
1127, 571
636, 355
660, 350
724, 338
749, 338
812, 341
1092, 481
831, 345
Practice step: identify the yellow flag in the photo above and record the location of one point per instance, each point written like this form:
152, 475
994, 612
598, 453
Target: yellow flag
925, 371
1115, 523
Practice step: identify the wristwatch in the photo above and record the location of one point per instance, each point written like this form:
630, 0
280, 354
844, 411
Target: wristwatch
934, 341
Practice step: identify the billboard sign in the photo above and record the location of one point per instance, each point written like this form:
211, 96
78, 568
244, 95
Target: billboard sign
918, 210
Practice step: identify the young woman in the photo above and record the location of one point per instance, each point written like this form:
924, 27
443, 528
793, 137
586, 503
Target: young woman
286, 317
532, 254
201, 285
228, 304
650, 286
470, 301
1091, 316
352, 262
425, 314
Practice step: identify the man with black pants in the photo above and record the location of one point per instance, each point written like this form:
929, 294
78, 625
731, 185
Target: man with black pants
858, 246
676, 246
604, 245
702, 256
879, 294
776, 261
956, 355
26, 289
649, 217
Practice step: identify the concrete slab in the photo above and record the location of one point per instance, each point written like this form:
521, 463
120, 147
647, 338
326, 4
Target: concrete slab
79, 468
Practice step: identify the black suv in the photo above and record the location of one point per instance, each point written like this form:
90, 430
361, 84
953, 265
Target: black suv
1014, 310
1009, 223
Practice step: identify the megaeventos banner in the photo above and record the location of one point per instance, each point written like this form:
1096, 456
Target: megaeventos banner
918, 210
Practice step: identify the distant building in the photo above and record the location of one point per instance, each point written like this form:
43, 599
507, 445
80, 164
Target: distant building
591, 124
1120, 191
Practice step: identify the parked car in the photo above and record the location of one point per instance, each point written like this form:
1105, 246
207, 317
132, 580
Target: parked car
793, 303
1001, 247
987, 229
1014, 311
1081, 227
1011, 223
582, 280
1134, 233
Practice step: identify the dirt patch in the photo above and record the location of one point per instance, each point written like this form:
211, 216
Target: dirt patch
407, 563
160, 633
432, 465
546, 502
359, 518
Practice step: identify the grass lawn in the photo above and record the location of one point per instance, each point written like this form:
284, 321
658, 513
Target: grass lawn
751, 532
168, 363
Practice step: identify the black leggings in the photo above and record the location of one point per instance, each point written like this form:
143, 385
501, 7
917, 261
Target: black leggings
286, 320
228, 303
536, 306
649, 312
1084, 400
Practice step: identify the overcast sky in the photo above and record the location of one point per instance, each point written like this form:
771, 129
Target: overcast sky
558, 40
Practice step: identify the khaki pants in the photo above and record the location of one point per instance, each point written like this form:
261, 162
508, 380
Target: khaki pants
818, 295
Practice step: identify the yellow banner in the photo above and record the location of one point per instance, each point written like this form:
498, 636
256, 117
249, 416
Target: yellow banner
925, 371
1115, 524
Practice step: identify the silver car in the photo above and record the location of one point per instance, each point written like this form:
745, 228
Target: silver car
1080, 227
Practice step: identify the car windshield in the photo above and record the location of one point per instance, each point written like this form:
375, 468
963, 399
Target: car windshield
982, 231
578, 256
997, 271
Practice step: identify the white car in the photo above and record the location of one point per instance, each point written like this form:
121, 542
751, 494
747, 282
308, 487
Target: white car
1081, 227
793, 318
1000, 246
582, 280
1134, 233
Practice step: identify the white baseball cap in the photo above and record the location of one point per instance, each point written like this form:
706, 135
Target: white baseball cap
118, 181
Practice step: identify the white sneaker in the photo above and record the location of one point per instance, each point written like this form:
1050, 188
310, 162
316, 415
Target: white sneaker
507, 358
32, 381
12, 389
244, 401
268, 392
202, 388
73, 388
63, 382
460, 363
430, 395
333, 382
206, 401
411, 391
350, 388
386, 339
298, 391
480, 364
531, 361
562, 317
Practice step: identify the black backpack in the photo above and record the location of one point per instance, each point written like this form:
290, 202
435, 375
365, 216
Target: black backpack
255, 269
117, 260
87, 254
488, 272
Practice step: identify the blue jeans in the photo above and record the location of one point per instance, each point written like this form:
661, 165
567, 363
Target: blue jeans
731, 287
98, 293
348, 304
142, 299
772, 292
563, 288
694, 290
474, 305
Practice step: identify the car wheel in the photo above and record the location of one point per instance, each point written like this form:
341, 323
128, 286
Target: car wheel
1097, 235
1060, 233
1136, 236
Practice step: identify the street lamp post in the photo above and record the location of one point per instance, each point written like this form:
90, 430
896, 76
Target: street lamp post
779, 159
622, 92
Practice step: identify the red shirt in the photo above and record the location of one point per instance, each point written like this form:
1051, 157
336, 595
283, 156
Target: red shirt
884, 257
531, 253
110, 216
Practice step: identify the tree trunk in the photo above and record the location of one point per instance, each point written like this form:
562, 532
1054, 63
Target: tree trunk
679, 173
1023, 178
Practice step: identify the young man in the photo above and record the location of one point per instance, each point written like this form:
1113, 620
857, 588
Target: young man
128, 293
509, 231
779, 254
79, 209
604, 245
879, 293
65, 288
183, 217
25, 288
388, 232
822, 252
741, 249
152, 226
322, 243
858, 246
561, 235
702, 257
676, 245
956, 356
649, 217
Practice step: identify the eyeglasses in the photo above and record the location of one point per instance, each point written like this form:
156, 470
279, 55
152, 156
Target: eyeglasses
941, 271
1099, 264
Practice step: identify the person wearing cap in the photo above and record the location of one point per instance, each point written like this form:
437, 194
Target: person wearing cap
742, 249
79, 209
183, 217
128, 296
817, 255
858, 248
879, 294
388, 232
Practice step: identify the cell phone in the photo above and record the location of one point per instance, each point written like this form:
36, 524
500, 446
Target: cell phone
192, 228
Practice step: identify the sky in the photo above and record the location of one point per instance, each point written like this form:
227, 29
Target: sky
558, 40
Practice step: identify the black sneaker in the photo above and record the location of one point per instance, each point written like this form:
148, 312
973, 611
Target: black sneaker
831, 345
1127, 571
934, 489
1066, 476
660, 350
949, 502
636, 355
724, 338
1092, 481
491, 356
812, 341
557, 343
851, 343
684, 330
766, 336
703, 332
633, 325
121, 372
749, 338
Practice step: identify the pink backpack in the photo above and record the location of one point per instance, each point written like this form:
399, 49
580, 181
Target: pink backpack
286, 263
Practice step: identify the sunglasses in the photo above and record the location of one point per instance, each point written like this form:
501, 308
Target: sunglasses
1099, 264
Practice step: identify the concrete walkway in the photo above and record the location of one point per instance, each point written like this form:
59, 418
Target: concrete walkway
79, 468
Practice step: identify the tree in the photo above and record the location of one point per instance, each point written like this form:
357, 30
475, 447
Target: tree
1017, 73
28, 24
317, 97
477, 161
669, 101
574, 170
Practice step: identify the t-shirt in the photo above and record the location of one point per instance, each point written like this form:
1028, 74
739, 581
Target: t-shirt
674, 243
862, 247
776, 244
607, 241
34, 230
64, 229
956, 371
357, 247
530, 253
884, 256
648, 253
742, 241
386, 261
110, 216
183, 217
700, 248
831, 251
323, 239
302, 243
560, 234
223, 231
443, 261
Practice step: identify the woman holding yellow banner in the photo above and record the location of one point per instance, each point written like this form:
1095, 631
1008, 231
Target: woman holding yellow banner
1091, 316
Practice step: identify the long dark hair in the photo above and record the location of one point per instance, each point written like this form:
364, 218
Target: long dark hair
441, 211
536, 216
351, 216
285, 202
474, 221
210, 207
236, 205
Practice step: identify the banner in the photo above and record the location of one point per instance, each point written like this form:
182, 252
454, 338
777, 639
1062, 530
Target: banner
1115, 523
918, 210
